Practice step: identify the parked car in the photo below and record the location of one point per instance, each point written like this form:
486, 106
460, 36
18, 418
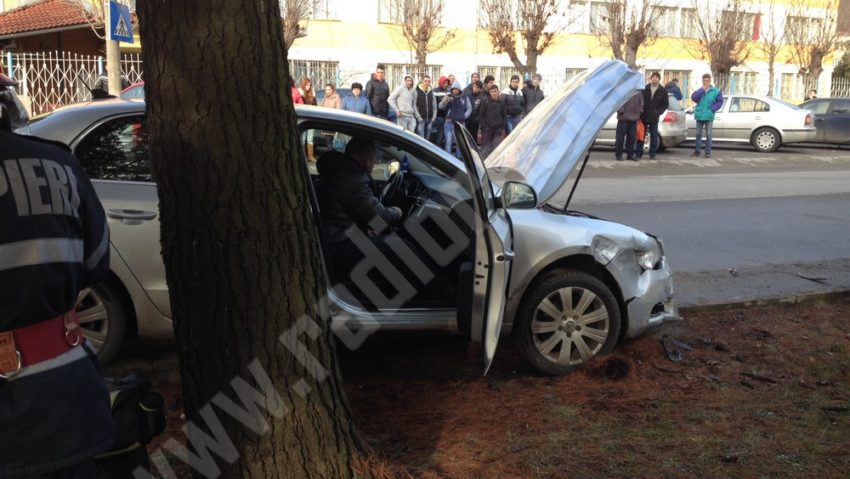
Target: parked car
569, 286
764, 122
672, 129
136, 91
832, 119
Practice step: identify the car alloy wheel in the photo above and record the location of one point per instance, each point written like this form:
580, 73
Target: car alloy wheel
766, 140
102, 320
569, 318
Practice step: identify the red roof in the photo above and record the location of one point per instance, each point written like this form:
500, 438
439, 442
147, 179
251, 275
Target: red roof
45, 15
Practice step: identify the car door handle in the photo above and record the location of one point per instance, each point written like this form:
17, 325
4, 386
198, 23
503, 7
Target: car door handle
758, 118
131, 215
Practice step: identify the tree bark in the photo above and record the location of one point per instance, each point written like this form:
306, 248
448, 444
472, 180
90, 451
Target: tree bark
238, 238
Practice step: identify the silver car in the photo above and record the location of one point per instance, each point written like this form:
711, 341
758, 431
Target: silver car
569, 286
764, 122
672, 128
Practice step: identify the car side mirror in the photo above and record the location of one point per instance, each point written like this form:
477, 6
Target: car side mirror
518, 195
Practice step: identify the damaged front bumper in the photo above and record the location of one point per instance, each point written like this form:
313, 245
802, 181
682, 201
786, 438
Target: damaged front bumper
647, 294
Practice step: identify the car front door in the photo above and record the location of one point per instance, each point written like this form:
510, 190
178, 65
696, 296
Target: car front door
838, 122
493, 242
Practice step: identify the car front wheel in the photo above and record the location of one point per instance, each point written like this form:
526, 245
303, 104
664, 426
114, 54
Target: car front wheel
569, 318
102, 319
766, 140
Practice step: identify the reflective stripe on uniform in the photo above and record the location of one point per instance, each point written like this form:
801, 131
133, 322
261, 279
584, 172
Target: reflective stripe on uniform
41, 251
93, 259
67, 357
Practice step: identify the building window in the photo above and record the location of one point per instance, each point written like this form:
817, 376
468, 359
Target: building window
690, 28
578, 18
322, 10
664, 21
320, 73
501, 74
394, 73
598, 17
743, 83
571, 73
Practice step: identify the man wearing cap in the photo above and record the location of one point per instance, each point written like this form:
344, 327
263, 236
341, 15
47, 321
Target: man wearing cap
403, 101
532, 93
54, 241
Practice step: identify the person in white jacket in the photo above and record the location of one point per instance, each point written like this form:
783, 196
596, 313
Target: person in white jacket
403, 101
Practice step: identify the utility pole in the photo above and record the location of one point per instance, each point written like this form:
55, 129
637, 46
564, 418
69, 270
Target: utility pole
113, 66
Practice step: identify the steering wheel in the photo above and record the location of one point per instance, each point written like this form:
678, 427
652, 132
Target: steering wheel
391, 188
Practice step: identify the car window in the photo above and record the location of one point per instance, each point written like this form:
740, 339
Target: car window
117, 150
324, 140
134, 93
840, 107
817, 107
747, 105
673, 103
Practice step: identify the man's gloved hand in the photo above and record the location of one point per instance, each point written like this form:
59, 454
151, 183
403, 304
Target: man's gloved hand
396, 210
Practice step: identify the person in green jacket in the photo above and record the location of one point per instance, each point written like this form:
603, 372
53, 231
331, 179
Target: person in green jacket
709, 99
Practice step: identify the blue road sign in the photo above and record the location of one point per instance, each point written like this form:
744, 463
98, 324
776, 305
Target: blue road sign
120, 25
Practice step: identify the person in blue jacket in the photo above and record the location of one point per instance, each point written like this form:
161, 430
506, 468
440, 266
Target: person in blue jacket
356, 102
709, 99
673, 88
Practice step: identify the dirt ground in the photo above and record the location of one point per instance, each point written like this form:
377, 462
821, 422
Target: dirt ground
757, 392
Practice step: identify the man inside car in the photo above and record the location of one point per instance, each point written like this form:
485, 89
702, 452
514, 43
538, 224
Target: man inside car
356, 225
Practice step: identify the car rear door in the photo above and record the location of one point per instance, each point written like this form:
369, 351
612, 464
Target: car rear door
492, 243
819, 109
114, 153
838, 121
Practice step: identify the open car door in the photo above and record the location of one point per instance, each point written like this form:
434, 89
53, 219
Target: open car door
492, 243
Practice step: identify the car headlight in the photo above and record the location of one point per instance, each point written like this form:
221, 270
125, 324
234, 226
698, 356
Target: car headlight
649, 257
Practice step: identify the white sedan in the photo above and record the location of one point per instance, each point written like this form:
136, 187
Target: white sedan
764, 122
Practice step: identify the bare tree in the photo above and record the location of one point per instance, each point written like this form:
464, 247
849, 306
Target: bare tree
536, 22
812, 36
295, 15
626, 26
771, 38
245, 275
723, 34
420, 24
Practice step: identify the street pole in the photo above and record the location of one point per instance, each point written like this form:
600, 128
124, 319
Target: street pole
113, 57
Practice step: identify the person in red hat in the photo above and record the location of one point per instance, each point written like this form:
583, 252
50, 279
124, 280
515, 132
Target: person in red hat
54, 407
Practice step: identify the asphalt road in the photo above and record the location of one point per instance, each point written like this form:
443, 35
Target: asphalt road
740, 226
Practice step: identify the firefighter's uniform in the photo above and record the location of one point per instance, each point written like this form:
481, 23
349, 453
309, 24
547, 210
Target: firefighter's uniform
54, 241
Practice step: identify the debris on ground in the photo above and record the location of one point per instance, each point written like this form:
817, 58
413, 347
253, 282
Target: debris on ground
816, 279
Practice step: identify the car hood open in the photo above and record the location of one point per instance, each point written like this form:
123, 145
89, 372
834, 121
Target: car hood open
548, 143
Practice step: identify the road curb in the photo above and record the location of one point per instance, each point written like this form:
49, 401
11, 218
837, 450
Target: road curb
753, 303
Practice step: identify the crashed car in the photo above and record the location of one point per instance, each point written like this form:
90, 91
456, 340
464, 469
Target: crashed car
566, 285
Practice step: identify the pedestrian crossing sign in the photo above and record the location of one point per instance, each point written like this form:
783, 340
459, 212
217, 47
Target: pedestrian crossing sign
120, 24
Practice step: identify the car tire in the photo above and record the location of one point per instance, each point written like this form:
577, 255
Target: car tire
766, 140
103, 319
554, 346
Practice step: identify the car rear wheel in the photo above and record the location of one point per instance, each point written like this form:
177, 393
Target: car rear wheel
102, 319
766, 140
569, 318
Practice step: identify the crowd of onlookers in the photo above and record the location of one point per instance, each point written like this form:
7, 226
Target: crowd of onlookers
487, 112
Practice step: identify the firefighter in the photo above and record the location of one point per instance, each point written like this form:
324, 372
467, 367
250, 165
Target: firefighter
54, 241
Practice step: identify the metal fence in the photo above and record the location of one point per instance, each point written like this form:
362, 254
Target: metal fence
51, 79
840, 87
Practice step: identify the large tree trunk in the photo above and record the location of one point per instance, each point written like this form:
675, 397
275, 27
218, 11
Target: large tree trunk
240, 250
771, 75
